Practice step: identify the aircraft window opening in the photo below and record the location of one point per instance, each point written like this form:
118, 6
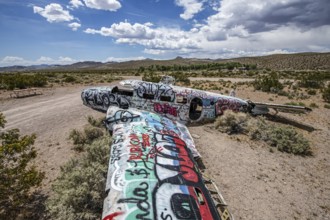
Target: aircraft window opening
125, 92
196, 107
122, 91
165, 98
148, 96
182, 100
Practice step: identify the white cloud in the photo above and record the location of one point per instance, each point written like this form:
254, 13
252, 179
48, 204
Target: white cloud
237, 28
43, 59
76, 3
109, 5
66, 60
191, 7
125, 30
153, 51
74, 26
12, 60
53, 13
123, 59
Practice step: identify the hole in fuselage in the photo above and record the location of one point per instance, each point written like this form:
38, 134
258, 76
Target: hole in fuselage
196, 107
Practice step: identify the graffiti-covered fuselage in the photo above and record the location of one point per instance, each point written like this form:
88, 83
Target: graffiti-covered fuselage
177, 103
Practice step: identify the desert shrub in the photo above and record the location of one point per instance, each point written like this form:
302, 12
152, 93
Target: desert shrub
181, 77
151, 77
282, 137
18, 176
77, 137
92, 133
326, 94
22, 81
87, 136
78, 192
312, 80
283, 93
313, 105
69, 79
231, 122
311, 92
268, 83
96, 122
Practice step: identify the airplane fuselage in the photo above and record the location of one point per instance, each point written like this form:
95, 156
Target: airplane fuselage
185, 105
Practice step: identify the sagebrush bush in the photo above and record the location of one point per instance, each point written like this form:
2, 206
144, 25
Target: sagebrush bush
96, 122
326, 94
19, 177
181, 77
92, 133
231, 122
151, 77
87, 136
283, 137
268, 83
22, 81
69, 79
77, 137
78, 192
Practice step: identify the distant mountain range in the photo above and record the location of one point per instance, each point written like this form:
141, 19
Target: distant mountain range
299, 61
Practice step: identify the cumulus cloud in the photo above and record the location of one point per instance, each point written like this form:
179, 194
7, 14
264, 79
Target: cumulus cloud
76, 3
146, 35
53, 13
13, 60
74, 26
123, 59
259, 15
109, 5
191, 7
125, 30
236, 28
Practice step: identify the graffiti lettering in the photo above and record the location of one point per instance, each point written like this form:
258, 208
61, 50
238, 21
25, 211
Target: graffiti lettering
166, 217
141, 201
116, 152
121, 116
154, 89
135, 148
145, 140
139, 172
165, 109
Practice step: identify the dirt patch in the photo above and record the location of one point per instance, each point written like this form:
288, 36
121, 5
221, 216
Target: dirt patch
256, 183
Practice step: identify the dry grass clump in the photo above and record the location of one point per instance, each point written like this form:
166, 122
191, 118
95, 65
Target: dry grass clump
79, 190
232, 122
90, 133
282, 137
96, 122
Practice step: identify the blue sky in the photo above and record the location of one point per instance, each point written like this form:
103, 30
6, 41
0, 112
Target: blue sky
68, 31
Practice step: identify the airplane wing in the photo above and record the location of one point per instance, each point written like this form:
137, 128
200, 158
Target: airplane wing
152, 172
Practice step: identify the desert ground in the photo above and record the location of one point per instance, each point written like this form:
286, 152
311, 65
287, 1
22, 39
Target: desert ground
255, 182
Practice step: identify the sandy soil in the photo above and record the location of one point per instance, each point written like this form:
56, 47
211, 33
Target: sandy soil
256, 183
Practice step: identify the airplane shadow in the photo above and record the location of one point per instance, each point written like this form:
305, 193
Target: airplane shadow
285, 120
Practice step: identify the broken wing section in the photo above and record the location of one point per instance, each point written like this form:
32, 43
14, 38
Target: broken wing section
152, 172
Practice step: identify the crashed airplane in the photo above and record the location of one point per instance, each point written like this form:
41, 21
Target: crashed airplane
153, 168
185, 105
